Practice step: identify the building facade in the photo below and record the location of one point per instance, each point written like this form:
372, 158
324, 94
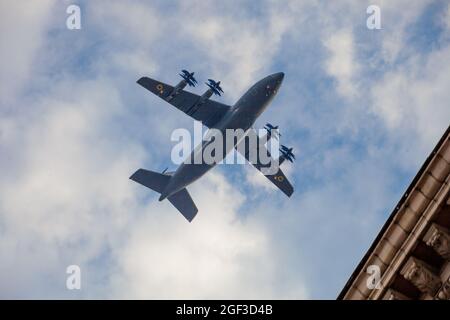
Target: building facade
410, 257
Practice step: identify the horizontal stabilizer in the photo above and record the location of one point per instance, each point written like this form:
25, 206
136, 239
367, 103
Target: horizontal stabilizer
183, 202
153, 180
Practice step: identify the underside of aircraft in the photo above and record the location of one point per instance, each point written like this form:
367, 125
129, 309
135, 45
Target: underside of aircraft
213, 114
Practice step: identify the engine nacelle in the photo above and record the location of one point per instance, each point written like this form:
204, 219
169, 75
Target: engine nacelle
281, 159
203, 98
188, 79
180, 86
208, 93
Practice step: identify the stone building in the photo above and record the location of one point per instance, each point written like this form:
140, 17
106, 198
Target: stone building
410, 257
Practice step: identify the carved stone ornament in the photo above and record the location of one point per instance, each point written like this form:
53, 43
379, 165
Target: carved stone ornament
444, 292
392, 294
421, 275
438, 238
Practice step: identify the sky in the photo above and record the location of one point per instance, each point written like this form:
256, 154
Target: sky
362, 109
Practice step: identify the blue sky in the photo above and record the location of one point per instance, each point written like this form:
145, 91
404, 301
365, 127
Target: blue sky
362, 109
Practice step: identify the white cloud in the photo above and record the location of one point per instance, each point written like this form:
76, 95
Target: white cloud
446, 18
342, 64
412, 100
23, 26
397, 17
240, 47
218, 255
66, 194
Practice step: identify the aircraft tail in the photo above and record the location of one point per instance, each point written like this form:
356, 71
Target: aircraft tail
153, 180
157, 182
183, 202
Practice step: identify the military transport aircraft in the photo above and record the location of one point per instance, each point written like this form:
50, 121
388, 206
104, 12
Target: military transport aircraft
213, 114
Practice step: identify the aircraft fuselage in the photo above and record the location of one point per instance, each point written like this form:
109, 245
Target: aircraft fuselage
241, 116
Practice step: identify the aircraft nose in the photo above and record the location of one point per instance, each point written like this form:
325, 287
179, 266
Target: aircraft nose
278, 76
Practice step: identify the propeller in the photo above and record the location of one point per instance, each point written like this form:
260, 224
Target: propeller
269, 127
188, 77
287, 153
214, 86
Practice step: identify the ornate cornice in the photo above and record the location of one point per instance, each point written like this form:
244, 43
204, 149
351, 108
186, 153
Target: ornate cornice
407, 225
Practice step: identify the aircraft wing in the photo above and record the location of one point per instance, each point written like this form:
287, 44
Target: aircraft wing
210, 112
278, 179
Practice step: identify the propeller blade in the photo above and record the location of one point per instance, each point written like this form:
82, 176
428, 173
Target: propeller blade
287, 153
214, 86
188, 77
